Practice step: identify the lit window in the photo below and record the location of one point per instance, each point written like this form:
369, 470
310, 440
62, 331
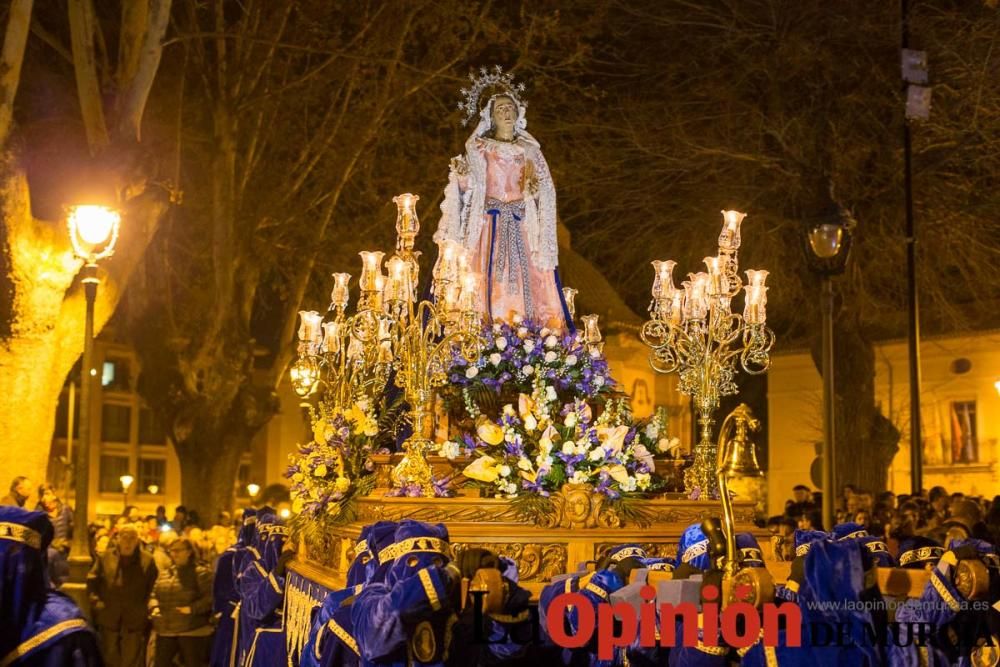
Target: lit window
115, 375
964, 436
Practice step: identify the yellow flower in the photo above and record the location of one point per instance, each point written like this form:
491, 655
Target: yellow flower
370, 427
297, 504
617, 473
488, 432
320, 431
531, 476
525, 406
483, 469
298, 477
320, 470
342, 484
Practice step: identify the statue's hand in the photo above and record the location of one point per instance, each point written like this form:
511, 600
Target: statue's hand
460, 165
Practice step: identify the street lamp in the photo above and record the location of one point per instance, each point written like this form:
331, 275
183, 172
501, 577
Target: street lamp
153, 489
93, 233
126, 481
253, 490
829, 244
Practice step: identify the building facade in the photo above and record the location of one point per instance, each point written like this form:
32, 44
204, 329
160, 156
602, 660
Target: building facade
960, 415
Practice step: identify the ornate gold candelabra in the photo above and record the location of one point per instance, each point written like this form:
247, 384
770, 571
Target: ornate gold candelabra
693, 331
394, 331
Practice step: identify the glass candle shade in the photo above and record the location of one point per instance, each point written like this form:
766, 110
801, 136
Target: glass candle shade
729, 238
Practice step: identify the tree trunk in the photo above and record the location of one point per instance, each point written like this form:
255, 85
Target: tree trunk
866, 440
209, 462
81, 23
29, 386
42, 315
11, 59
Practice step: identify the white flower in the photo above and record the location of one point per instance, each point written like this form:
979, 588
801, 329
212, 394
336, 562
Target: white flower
496, 328
450, 449
501, 344
505, 471
517, 319
579, 477
529, 345
550, 393
582, 447
543, 462
544, 332
471, 372
652, 430
524, 464
570, 359
522, 332
527, 369
495, 358
530, 423
596, 454
568, 447
509, 410
598, 380
628, 484
510, 489
570, 420
551, 340
550, 356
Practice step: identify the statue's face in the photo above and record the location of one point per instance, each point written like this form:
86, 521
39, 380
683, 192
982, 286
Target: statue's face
504, 115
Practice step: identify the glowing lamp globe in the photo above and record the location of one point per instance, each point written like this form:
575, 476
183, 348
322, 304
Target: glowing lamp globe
93, 230
825, 240
126, 481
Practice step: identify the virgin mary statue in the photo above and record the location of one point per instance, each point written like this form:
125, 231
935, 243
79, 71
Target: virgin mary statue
500, 205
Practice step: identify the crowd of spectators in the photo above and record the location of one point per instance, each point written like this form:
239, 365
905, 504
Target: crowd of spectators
150, 584
935, 514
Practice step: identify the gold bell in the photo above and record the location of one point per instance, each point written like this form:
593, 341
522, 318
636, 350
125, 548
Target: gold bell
738, 456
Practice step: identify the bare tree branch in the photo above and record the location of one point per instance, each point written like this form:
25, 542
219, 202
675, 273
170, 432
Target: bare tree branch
15, 37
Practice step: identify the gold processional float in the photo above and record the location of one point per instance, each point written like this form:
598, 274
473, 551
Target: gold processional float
394, 355
396, 337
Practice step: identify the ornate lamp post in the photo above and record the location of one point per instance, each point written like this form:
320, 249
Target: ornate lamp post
93, 232
694, 332
829, 243
126, 481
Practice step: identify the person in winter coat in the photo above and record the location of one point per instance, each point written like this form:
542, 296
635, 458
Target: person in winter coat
120, 583
181, 607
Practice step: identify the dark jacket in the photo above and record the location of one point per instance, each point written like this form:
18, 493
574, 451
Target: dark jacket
62, 526
188, 586
120, 588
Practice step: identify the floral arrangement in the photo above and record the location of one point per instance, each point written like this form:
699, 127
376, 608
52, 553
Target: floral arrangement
540, 410
337, 464
519, 357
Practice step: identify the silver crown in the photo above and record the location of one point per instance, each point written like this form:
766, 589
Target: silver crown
486, 80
